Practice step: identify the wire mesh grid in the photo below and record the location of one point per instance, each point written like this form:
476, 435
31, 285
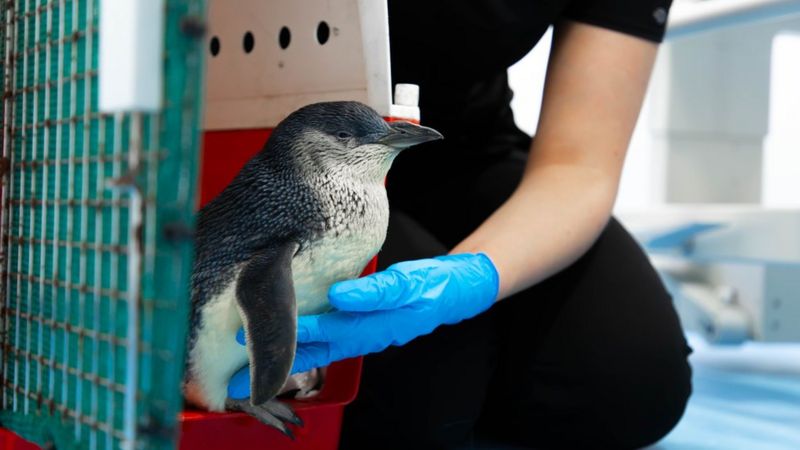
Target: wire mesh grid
94, 264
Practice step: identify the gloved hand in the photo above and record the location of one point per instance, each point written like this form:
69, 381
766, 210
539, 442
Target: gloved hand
392, 307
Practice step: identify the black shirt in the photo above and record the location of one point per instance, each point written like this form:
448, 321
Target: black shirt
484, 36
458, 51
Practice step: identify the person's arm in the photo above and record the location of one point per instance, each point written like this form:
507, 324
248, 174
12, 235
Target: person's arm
596, 80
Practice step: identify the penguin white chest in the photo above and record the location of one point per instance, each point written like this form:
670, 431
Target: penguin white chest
357, 218
331, 259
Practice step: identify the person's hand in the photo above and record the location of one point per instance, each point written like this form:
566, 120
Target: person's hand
392, 307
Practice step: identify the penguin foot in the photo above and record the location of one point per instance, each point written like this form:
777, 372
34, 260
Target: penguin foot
272, 413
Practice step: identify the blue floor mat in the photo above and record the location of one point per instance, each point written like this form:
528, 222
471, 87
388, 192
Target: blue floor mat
744, 398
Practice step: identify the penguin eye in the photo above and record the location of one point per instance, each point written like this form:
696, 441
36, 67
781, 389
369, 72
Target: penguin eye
343, 135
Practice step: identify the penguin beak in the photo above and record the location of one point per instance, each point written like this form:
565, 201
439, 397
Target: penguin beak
405, 134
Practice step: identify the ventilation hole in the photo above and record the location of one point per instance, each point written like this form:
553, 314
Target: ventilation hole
284, 38
214, 46
249, 42
323, 32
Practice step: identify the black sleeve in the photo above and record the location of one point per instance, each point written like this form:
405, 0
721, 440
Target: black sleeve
642, 18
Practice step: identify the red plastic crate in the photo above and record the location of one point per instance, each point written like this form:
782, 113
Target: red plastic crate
10, 441
223, 155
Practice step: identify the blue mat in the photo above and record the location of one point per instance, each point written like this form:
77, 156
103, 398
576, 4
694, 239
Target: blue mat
745, 398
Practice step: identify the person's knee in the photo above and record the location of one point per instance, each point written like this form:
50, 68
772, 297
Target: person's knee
640, 407
627, 400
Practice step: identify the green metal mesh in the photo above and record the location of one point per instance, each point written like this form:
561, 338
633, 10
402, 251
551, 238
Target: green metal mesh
95, 268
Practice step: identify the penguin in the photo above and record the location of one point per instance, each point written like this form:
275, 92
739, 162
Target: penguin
308, 210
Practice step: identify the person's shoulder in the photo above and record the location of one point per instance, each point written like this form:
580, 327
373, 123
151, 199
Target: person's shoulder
473, 39
646, 19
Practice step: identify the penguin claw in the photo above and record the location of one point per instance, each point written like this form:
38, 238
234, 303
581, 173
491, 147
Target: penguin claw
273, 413
282, 411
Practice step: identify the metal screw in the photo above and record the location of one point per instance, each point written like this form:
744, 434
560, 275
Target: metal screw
193, 26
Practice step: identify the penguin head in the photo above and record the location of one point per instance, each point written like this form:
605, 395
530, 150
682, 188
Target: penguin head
336, 135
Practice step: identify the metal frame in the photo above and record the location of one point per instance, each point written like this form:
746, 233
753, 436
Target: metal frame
733, 270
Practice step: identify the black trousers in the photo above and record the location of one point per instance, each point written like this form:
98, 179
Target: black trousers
593, 357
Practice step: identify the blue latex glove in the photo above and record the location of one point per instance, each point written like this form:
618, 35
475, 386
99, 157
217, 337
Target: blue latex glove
407, 300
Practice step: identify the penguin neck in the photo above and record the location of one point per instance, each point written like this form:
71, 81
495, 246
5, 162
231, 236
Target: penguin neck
364, 172
351, 177
372, 169
371, 172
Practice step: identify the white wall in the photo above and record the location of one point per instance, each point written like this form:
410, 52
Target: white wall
526, 78
781, 175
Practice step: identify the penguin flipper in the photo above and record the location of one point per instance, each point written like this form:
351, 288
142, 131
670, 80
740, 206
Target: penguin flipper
265, 296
